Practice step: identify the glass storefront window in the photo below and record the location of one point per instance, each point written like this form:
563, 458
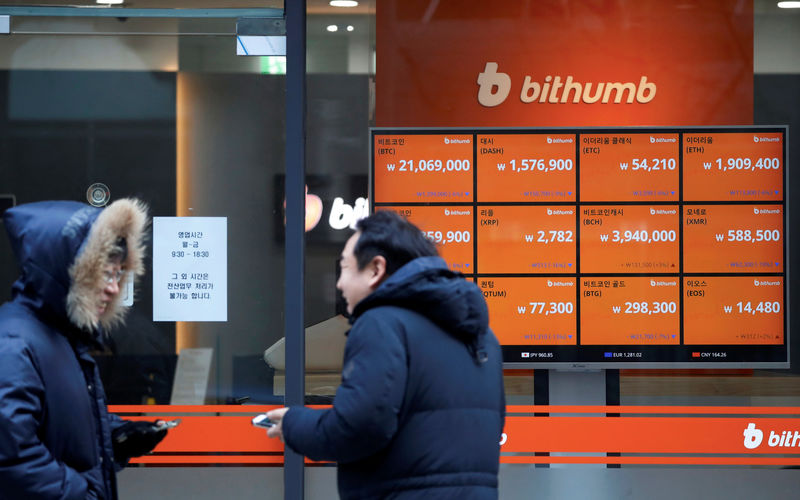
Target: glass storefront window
776, 72
162, 109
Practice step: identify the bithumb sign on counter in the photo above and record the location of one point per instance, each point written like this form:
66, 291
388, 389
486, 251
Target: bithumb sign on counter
754, 436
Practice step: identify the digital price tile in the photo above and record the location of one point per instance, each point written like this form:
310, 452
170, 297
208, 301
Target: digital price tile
733, 239
450, 228
423, 168
526, 167
629, 239
630, 310
733, 166
527, 239
731, 310
532, 311
629, 167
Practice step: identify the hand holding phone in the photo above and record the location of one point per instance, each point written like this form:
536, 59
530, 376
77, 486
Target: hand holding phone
262, 421
272, 421
134, 438
166, 424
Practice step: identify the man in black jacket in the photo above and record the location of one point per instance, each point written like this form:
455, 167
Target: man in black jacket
421, 408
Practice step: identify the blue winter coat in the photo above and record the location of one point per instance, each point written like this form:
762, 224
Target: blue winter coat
55, 433
421, 408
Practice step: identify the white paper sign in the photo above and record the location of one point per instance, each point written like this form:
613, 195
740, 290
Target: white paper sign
191, 377
127, 293
190, 269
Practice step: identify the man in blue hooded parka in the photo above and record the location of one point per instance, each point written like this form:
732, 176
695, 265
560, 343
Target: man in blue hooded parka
57, 440
420, 410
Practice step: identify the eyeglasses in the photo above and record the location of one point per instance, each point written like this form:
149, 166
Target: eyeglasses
113, 276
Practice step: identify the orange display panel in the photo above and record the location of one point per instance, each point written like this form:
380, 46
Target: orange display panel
423, 168
733, 239
532, 310
630, 310
635, 218
526, 167
629, 239
526, 239
733, 310
733, 166
450, 228
629, 167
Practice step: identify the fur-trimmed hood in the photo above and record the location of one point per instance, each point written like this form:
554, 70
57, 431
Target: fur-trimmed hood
62, 247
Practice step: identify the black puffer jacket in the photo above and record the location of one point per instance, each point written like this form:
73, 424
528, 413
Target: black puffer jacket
421, 408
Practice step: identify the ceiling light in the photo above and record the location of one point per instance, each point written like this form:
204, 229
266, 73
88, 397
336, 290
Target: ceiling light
110, 2
350, 27
782, 5
343, 3
332, 28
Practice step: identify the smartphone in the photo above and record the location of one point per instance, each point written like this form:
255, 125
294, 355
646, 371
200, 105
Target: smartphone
262, 421
167, 424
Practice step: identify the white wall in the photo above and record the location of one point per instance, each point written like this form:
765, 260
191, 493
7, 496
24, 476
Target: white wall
777, 42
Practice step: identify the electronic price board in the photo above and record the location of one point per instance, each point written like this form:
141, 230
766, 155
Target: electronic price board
623, 247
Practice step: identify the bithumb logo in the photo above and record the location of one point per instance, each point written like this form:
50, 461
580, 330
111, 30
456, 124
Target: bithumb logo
766, 139
661, 211
654, 140
753, 437
494, 87
767, 283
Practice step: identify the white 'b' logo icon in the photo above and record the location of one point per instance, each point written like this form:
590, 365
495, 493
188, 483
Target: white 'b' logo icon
549, 140
752, 437
488, 81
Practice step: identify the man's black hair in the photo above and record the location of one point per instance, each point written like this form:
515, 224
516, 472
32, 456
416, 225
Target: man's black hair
388, 234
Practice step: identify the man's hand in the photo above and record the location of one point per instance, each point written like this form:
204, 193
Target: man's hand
134, 438
277, 417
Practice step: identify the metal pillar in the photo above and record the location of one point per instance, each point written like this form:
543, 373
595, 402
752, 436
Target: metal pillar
293, 473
